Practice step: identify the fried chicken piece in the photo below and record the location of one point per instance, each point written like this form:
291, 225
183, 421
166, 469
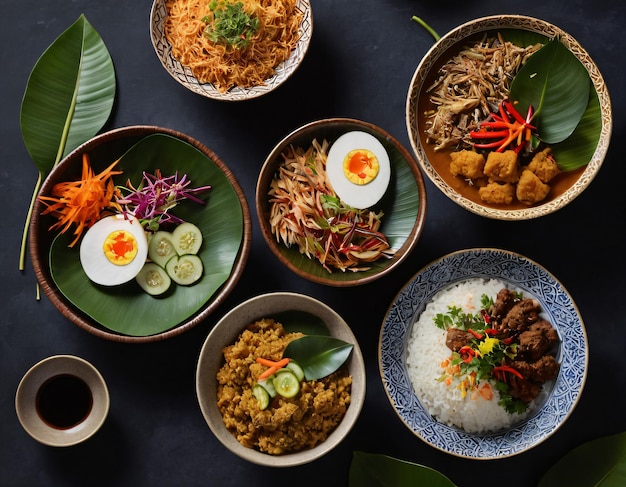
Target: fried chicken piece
467, 163
502, 167
530, 189
544, 166
497, 193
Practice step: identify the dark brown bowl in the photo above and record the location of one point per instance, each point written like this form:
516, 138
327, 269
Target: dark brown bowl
406, 184
103, 149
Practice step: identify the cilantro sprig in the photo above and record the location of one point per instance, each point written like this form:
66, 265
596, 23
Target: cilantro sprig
455, 317
229, 24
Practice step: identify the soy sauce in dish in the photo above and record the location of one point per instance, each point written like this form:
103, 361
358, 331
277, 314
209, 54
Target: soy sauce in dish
63, 401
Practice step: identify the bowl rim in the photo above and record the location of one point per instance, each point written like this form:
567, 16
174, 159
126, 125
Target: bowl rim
185, 77
70, 311
490, 23
247, 312
351, 124
568, 386
37, 375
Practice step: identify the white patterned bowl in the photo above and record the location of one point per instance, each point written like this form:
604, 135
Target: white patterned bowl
183, 75
569, 186
519, 272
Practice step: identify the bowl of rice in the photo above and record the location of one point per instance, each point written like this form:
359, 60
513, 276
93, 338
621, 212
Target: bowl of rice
495, 129
483, 399
312, 227
285, 431
199, 46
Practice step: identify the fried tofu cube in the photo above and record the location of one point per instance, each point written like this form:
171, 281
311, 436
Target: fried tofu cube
531, 189
467, 163
544, 165
497, 193
502, 167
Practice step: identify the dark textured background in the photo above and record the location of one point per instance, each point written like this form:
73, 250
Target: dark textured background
359, 65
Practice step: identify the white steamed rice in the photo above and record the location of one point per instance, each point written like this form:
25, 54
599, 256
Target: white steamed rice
427, 349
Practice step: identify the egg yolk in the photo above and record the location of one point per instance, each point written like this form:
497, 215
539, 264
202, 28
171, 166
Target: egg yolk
120, 247
360, 166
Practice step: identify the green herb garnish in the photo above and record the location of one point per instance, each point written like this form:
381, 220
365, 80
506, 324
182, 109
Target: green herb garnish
229, 24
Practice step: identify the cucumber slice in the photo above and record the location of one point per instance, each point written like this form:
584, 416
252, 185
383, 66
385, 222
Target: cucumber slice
161, 248
184, 269
296, 369
187, 238
286, 383
268, 385
261, 395
153, 279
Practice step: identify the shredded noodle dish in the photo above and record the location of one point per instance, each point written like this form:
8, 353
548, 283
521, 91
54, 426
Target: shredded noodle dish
223, 64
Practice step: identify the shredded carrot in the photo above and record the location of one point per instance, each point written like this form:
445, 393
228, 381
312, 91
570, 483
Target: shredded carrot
273, 366
82, 202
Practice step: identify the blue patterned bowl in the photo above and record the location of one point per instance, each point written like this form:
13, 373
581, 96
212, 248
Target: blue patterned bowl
519, 272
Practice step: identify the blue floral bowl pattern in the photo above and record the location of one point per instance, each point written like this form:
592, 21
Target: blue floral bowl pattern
535, 281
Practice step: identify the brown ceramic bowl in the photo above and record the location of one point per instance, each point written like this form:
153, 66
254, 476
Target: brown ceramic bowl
85, 401
84, 312
404, 203
225, 333
184, 76
435, 164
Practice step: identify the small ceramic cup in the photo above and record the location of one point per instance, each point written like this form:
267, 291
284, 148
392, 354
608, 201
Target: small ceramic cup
62, 400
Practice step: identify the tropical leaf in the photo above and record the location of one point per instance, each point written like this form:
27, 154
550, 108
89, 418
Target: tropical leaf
556, 84
374, 470
319, 356
303, 322
600, 463
69, 97
127, 309
578, 149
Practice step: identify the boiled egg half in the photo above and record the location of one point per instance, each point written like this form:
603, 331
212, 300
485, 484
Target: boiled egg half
358, 169
114, 250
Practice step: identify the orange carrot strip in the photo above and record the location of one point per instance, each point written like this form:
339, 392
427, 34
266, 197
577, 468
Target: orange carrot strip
81, 202
267, 373
272, 363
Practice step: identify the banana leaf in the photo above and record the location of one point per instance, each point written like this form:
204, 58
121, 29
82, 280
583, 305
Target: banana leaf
127, 309
68, 99
319, 356
556, 84
600, 462
373, 470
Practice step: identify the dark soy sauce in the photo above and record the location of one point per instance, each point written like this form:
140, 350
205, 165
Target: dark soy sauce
63, 401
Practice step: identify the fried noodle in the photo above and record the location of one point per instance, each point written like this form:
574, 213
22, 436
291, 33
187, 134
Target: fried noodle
226, 66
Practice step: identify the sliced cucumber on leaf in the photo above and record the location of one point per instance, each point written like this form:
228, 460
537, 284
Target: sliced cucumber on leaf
184, 269
187, 238
153, 279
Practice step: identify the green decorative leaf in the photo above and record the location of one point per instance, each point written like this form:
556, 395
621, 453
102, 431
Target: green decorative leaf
319, 356
578, 149
601, 462
69, 95
127, 309
557, 85
303, 322
68, 98
374, 470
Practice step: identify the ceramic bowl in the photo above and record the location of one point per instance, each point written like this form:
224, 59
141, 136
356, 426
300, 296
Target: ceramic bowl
62, 400
225, 333
403, 205
435, 164
516, 272
125, 313
184, 76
